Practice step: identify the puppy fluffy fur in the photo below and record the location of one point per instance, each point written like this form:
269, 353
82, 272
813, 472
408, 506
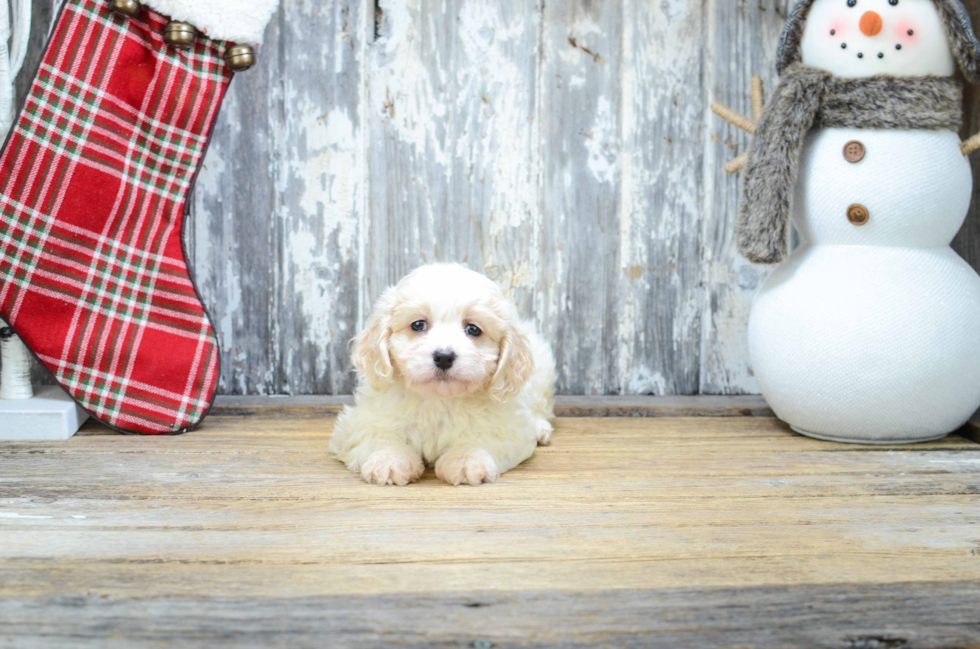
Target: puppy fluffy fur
477, 418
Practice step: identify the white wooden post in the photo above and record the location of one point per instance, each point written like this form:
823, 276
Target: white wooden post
50, 414
15, 376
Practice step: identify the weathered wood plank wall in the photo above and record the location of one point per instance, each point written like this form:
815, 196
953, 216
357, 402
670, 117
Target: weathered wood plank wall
565, 148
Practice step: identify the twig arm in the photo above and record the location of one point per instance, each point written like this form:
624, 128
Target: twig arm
971, 145
736, 164
758, 98
743, 122
732, 117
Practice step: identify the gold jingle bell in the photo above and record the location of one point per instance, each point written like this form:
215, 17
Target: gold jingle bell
128, 8
178, 34
240, 57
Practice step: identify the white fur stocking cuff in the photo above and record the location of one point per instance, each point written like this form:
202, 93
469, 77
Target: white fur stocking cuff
239, 21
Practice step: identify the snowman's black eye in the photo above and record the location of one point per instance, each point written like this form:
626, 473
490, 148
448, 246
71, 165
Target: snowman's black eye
852, 3
893, 3
833, 32
911, 32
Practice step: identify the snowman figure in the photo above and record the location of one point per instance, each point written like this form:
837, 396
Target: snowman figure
869, 332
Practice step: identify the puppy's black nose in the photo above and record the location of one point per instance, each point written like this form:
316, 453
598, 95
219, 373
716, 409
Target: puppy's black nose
444, 358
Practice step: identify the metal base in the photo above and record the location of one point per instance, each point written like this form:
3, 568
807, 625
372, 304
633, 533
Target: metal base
876, 442
51, 415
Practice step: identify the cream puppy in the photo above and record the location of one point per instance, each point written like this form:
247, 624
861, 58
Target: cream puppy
449, 377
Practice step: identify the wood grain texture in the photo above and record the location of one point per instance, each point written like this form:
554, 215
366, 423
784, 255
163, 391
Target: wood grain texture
893, 616
581, 63
565, 406
230, 238
565, 148
675, 530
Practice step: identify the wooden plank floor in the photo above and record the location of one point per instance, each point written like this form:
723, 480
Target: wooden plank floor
679, 531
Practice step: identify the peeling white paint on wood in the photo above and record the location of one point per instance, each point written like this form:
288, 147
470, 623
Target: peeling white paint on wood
659, 293
741, 42
565, 148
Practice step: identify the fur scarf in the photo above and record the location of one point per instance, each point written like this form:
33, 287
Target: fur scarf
806, 98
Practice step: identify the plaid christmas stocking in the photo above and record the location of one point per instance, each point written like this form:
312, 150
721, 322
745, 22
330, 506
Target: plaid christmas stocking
94, 178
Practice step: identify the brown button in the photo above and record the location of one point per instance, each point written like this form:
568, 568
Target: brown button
854, 151
858, 214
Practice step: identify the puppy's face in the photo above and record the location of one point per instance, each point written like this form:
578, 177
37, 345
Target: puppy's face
444, 331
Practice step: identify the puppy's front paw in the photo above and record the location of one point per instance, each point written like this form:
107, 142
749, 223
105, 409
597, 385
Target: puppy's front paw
470, 467
391, 467
543, 428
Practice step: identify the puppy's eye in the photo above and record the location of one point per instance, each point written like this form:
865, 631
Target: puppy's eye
473, 330
420, 325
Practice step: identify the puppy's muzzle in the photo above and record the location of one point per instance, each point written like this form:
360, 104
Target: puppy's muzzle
444, 359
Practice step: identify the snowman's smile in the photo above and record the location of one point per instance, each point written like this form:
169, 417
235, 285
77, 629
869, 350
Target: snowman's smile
862, 38
871, 24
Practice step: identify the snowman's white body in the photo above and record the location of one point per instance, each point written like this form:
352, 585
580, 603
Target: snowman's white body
872, 333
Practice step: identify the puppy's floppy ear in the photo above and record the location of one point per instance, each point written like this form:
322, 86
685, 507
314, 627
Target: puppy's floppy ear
370, 353
515, 364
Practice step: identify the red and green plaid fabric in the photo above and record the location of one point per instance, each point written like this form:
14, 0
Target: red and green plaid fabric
93, 183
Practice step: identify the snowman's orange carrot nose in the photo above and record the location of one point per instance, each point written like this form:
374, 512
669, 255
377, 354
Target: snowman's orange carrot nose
871, 23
